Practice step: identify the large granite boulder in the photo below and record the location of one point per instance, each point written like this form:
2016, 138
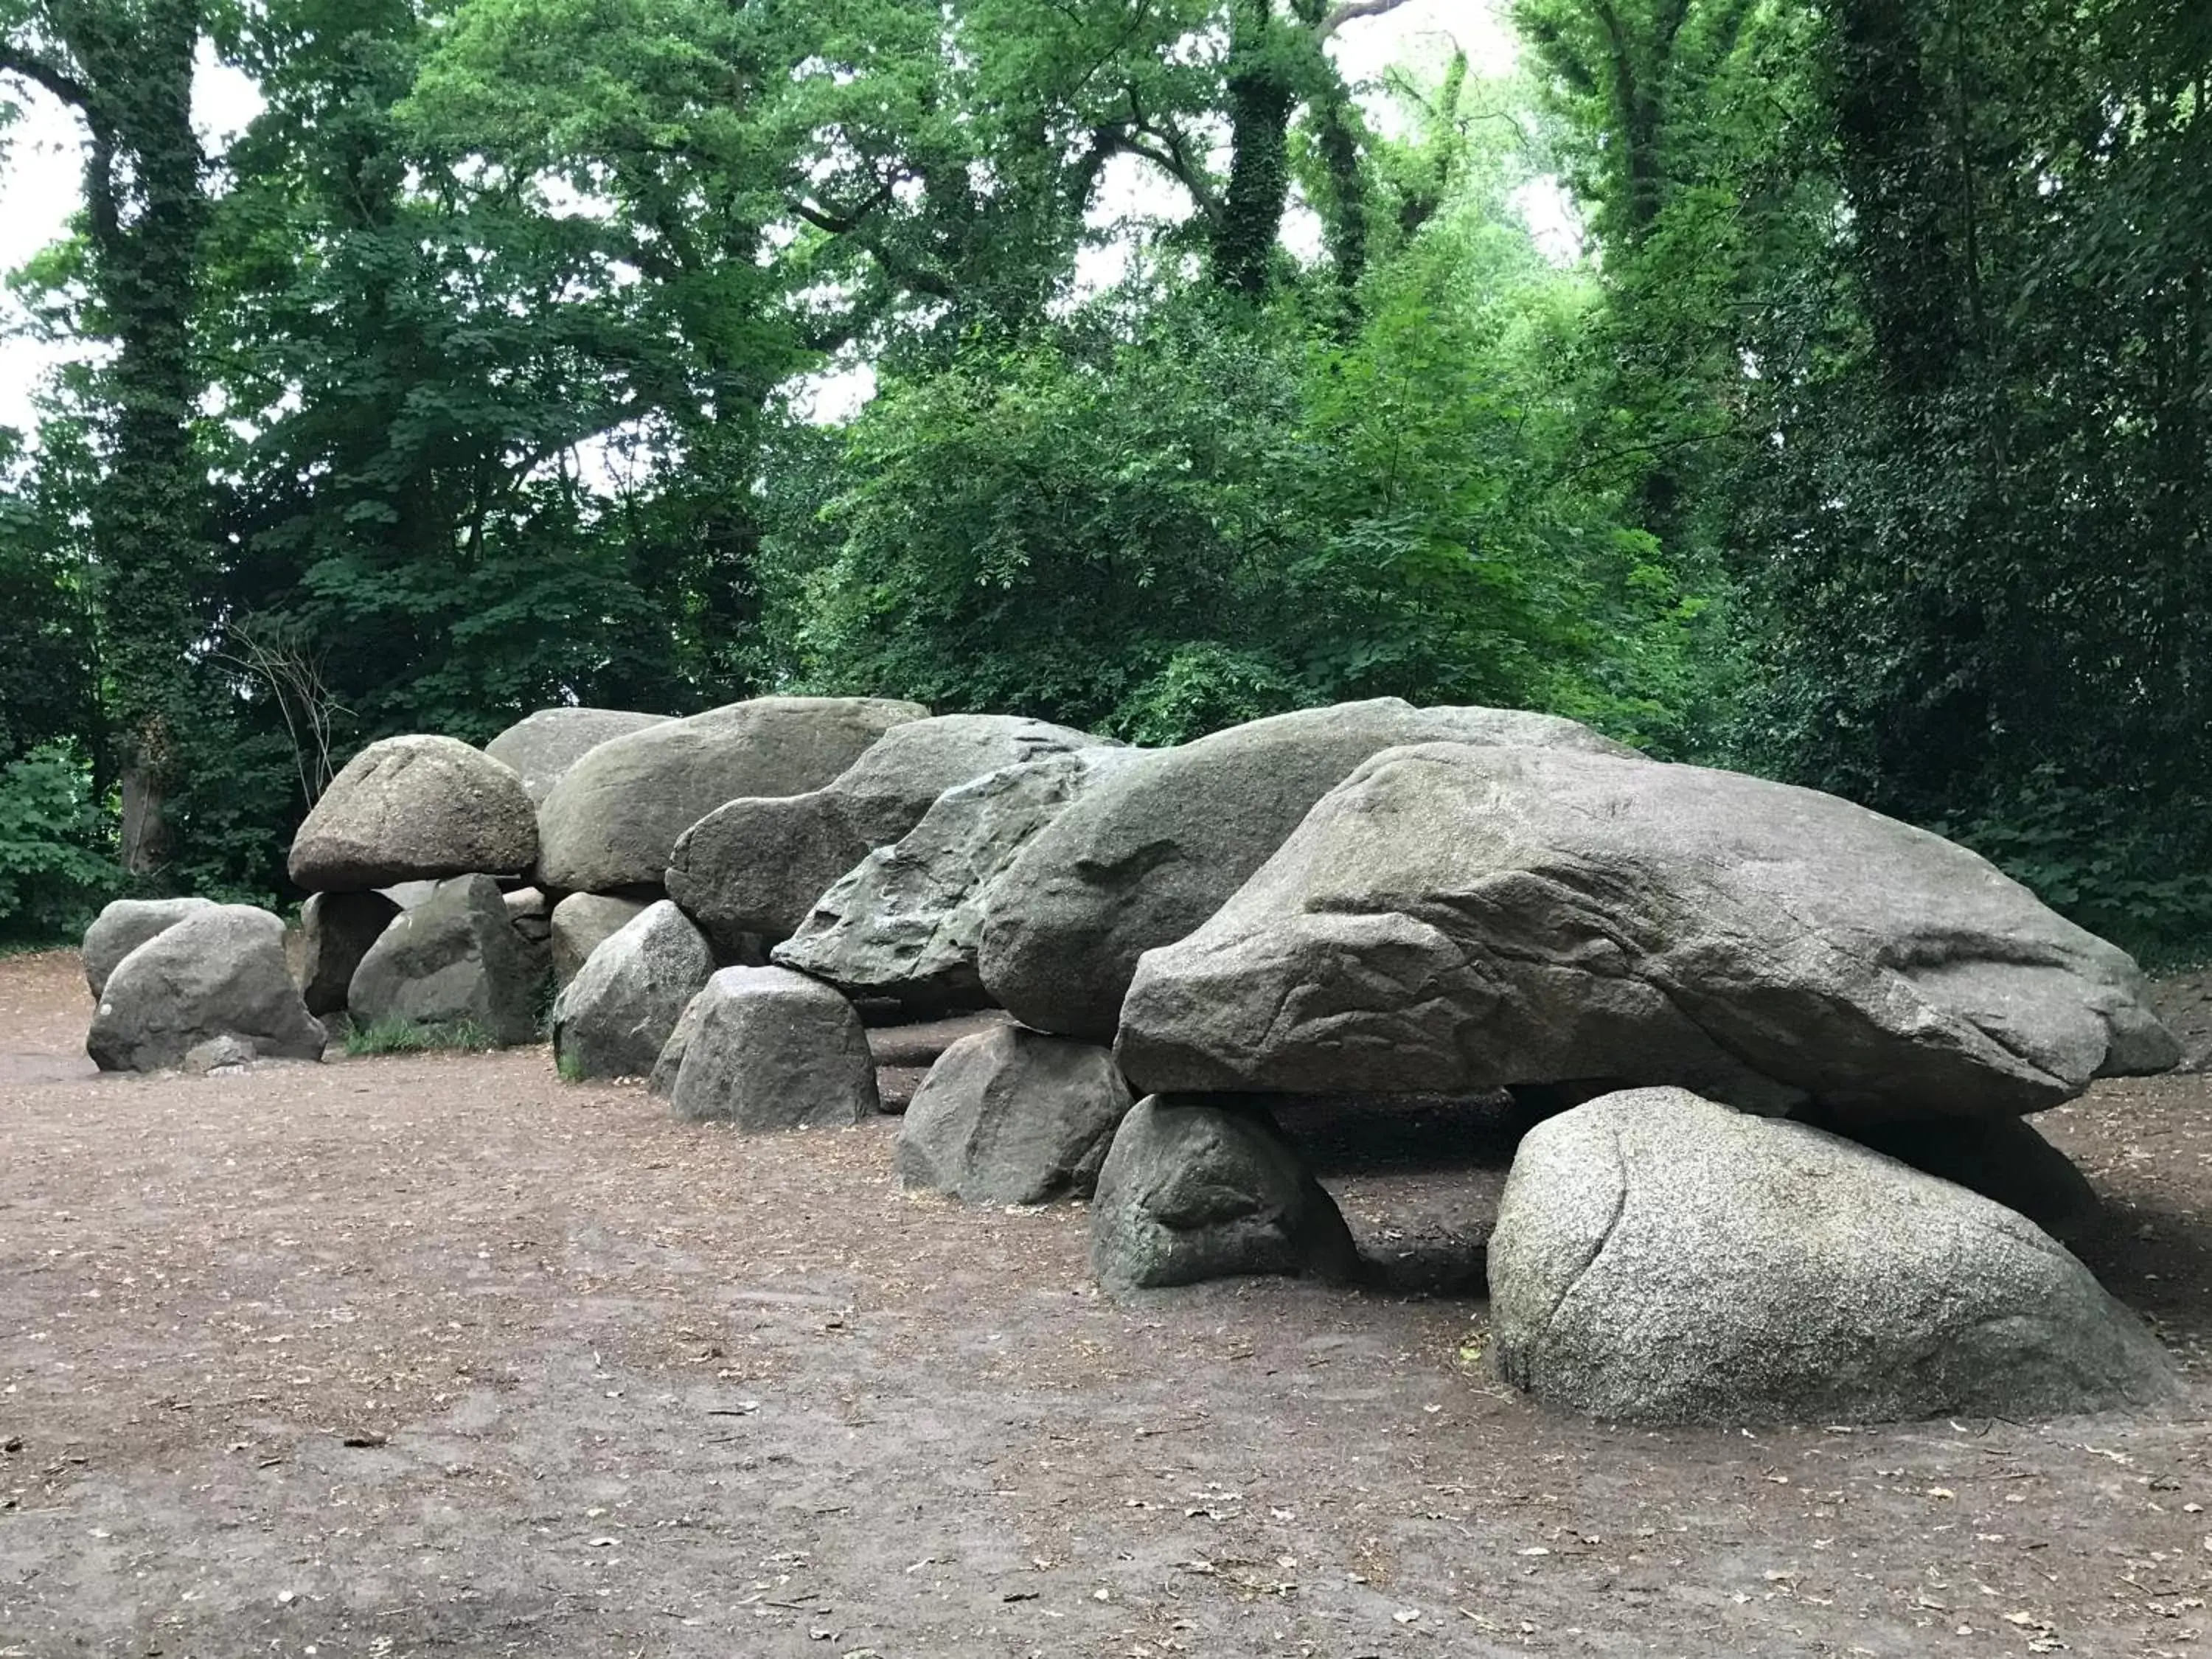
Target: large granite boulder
756, 867
542, 746
764, 1048
217, 973
336, 930
582, 922
1149, 851
125, 925
1013, 1116
1195, 1189
412, 809
453, 963
905, 922
1455, 918
1661, 1259
615, 1017
612, 822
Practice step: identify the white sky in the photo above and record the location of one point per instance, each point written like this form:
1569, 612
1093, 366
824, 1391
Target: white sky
41, 174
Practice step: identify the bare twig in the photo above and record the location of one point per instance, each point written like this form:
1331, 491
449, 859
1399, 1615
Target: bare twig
266, 652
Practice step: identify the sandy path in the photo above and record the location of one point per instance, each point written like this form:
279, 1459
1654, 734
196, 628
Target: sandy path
437, 1356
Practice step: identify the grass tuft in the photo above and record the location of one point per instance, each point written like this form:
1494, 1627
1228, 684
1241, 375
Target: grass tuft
406, 1036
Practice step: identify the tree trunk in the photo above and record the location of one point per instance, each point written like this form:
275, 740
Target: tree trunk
1261, 96
149, 521
1894, 141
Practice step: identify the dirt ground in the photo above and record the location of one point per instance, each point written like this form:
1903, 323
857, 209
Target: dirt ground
435, 1355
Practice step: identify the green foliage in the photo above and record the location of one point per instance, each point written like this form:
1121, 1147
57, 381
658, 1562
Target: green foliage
1228, 515
1869, 449
125, 68
2118, 862
45, 619
1916, 373
56, 865
400, 1037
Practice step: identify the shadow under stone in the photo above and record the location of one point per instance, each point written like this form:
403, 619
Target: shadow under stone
1418, 1178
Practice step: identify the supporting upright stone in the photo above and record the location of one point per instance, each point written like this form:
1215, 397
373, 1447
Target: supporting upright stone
766, 1048
1196, 1189
1013, 1116
124, 925
584, 921
337, 930
1662, 1259
220, 972
452, 962
615, 1016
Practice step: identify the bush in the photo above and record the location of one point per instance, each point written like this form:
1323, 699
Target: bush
2124, 863
55, 868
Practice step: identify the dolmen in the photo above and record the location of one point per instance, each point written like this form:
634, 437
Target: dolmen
1780, 1053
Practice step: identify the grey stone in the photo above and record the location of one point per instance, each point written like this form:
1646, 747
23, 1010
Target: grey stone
1455, 918
613, 820
768, 1050
923, 1042
757, 865
1150, 851
1196, 1189
615, 1016
454, 960
1662, 1259
582, 922
409, 893
1013, 1116
416, 808
336, 930
124, 925
221, 1054
542, 746
660, 1081
905, 921
219, 972
531, 913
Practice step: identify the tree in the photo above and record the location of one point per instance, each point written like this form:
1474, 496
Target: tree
407, 503
1233, 512
125, 67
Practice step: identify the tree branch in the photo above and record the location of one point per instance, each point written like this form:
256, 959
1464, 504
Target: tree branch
43, 71
1351, 11
1167, 152
840, 222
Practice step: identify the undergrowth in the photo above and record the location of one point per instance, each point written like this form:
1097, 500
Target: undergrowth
404, 1036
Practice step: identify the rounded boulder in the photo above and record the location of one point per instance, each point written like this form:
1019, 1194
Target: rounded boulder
542, 746
764, 1048
416, 809
756, 867
1659, 1258
1150, 850
612, 824
219, 972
